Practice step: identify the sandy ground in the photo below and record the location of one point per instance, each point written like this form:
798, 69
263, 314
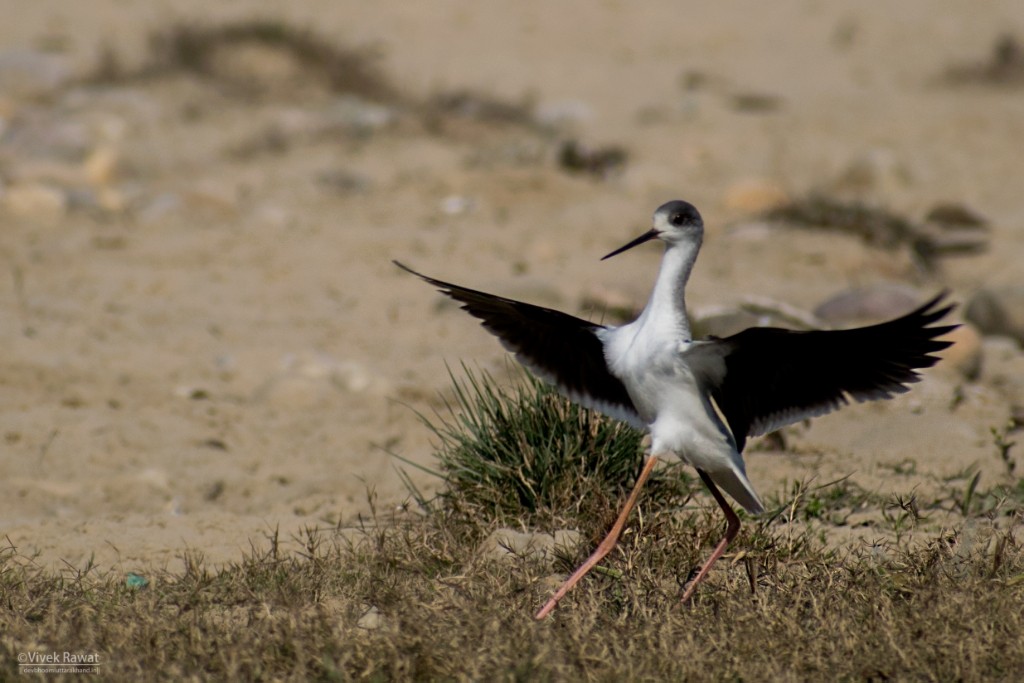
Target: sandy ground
204, 339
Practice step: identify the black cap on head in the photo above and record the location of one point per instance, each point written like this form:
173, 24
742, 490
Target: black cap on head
680, 213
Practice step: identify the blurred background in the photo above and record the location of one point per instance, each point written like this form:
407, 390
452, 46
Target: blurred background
204, 338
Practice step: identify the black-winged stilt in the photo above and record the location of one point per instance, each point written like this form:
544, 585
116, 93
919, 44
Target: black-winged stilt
653, 374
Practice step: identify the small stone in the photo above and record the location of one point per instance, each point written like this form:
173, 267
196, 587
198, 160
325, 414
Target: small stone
755, 195
31, 74
371, 619
874, 303
753, 312
724, 323
36, 200
998, 311
1004, 367
456, 205
355, 377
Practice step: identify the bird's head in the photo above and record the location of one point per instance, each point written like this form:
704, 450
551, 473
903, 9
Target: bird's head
674, 222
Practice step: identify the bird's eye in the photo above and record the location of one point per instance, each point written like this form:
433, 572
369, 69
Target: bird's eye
676, 219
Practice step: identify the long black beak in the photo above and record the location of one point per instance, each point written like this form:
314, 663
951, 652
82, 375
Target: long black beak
646, 237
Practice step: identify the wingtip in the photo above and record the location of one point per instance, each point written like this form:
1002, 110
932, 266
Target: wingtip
940, 298
413, 272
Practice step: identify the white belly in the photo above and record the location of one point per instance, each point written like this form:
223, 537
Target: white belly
675, 408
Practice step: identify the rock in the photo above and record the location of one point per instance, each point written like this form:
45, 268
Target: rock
998, 311
724, 323
39, 133
371, 619
755, 195
29, 74
37, 201
505, 544
949, 214
752, 312
873, 303
965, 356
456, 205
1004, 367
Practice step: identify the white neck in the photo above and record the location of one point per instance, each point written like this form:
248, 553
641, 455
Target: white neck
666, 309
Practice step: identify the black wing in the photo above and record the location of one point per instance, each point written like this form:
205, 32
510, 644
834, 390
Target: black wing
764, 378
557, 347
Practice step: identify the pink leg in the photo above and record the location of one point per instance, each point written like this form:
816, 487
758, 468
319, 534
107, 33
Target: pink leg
606, 545
730, 533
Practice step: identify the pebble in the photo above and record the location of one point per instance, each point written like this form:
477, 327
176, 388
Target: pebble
998, 311
371, 619
724, 323
752, 312
38, 201
873, 303
507, 544
456, 205
755, 195
1004, 367
30, 74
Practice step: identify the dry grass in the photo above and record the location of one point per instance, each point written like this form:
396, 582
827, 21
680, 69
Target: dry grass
412, 597
195, 48
946, 610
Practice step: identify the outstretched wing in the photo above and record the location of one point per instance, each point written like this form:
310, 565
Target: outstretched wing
764, 378
557, 347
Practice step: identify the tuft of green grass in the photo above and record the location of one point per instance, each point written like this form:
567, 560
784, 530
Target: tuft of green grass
523, 452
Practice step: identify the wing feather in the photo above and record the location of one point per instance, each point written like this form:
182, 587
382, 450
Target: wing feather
765, 378
559, 348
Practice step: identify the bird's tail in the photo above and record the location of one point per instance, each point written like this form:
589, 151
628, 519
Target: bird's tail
735, 483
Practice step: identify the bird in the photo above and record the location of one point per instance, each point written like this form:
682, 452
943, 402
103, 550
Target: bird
702, 399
